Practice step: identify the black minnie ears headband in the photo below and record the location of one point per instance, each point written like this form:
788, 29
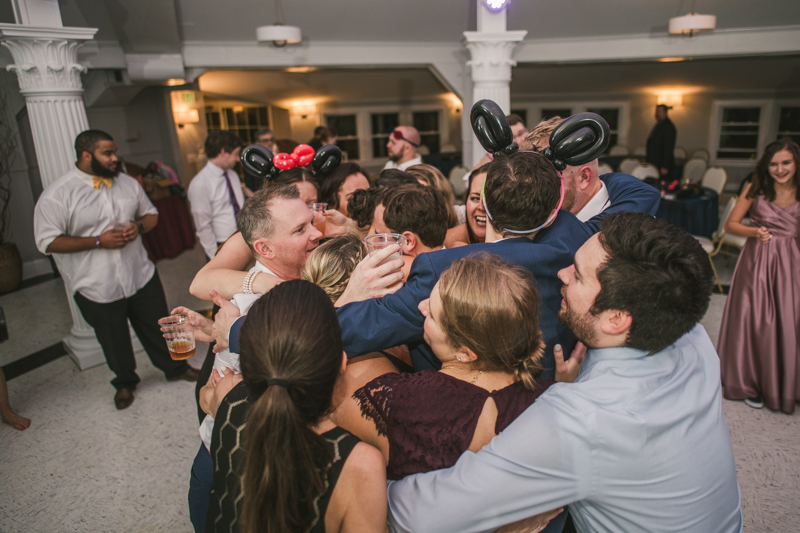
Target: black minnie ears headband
260, 162
578, 140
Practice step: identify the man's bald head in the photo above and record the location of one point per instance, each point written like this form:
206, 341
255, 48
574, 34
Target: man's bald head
403, 143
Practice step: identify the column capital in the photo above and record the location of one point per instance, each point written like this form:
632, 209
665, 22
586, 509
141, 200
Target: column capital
45, 58
491, 54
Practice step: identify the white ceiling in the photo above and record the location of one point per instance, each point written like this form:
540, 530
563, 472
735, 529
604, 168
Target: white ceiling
149, 26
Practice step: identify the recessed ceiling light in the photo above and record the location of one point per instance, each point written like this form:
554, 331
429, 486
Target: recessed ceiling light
300, 70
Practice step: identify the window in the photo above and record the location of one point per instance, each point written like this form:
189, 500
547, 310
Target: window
427, 124
738, 136
382, 125
243, 121
348, 134
611, 116
563, 112
523, 114
789, 123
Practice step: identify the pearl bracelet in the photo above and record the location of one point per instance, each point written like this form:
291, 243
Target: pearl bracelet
247, 285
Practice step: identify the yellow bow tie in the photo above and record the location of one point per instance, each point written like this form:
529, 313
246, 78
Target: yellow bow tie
98, 181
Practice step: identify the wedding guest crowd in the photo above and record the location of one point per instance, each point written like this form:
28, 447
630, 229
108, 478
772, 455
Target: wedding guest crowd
531, 362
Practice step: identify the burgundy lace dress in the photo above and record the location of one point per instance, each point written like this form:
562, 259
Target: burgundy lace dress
430, 417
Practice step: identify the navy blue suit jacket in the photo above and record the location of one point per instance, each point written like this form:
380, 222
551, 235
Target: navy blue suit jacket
395, 319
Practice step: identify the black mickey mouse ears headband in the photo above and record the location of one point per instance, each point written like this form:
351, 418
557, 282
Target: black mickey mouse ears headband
578, 140
260, 162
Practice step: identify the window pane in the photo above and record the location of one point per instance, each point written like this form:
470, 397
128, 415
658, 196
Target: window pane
229, 119
384, 123
744, 130
747, 142
252, 116
431, 141
790, 119
344, 124
723, 154
263, 117
523, 114
241, 119
213, 120
349, 148
550, 113
426, 121
741, 114
379, 147
609, 115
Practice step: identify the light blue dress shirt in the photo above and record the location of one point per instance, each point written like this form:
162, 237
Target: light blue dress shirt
636, 443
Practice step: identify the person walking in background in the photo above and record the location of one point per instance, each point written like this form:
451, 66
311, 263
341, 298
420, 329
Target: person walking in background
758, 340
661, 142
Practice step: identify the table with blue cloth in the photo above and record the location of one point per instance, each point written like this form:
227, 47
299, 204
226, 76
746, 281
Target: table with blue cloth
699, 215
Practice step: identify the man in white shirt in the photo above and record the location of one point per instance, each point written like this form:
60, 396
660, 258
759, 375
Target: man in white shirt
90, 219
638, 441
215, 193
402, 148
585, 193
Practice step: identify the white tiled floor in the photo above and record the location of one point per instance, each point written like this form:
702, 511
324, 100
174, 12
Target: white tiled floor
84, 466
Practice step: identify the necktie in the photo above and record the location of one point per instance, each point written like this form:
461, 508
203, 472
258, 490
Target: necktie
97, 182
232, 196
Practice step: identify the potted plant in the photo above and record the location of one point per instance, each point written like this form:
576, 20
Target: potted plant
10, 260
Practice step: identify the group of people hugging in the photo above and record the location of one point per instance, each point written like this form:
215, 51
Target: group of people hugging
515, 366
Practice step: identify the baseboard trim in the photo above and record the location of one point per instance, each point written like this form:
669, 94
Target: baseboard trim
37, 267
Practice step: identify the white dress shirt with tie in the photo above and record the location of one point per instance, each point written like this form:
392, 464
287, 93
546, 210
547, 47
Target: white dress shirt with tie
212, 211
72, 206
637, 443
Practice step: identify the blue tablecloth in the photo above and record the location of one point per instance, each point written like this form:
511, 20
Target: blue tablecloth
698, 215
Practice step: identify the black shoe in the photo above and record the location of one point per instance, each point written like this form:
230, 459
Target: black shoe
190, 375
756, 402
123, 398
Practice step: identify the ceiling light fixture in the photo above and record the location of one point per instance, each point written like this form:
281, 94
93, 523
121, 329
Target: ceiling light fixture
279, 34
495, 5
692, 23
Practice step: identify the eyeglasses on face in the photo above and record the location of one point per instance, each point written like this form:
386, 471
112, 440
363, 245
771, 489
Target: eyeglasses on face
399, 136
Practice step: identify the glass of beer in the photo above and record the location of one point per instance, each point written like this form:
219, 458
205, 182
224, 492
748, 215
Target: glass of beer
180, 339
319, 215
379, 241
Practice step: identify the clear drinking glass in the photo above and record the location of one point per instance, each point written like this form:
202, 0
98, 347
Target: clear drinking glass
319, 215
178, 334
379, 241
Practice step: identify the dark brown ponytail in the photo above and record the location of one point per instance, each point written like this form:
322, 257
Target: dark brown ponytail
291, 355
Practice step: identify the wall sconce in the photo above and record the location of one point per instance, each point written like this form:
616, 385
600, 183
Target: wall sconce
670, 99
190, 116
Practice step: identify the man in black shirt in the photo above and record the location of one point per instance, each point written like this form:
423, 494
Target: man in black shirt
661, 143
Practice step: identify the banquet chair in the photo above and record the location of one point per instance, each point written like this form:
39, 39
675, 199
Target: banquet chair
700, 153
641, 151
648, 170
693, 170
626, 166
715, 178
456, 179
713, 246
618, 150
679, 153
604, 168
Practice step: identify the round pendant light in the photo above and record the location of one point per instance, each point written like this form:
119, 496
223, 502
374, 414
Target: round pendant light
692, 23
279, 34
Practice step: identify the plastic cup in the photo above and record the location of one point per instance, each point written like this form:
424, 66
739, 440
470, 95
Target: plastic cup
319, 215
178, 334
379, 241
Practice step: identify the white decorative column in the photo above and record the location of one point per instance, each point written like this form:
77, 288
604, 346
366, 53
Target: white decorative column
46, 64
490, 49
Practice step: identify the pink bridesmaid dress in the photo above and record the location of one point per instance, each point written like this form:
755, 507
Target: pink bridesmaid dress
758, 341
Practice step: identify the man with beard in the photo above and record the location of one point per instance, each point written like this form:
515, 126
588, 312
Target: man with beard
402, 148
588, 194
638, 441
90, 220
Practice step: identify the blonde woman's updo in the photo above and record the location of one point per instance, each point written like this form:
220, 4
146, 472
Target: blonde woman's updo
492, 308
331, 264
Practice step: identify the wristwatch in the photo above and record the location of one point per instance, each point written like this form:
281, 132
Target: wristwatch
141, 227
